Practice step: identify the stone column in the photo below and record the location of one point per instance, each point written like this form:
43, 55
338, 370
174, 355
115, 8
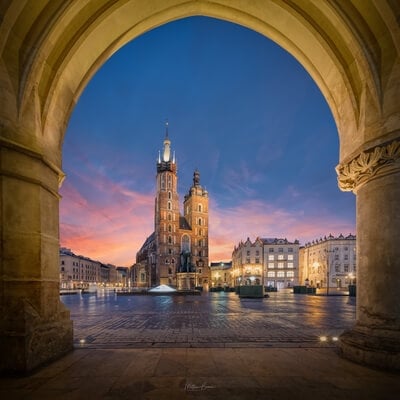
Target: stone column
374, 176
36, 326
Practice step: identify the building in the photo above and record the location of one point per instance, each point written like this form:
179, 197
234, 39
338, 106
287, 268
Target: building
266, 261
221, 274
329, 259
78, 272
281, 263
176, 253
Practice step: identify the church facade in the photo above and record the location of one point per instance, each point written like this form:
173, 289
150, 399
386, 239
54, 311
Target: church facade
176, 253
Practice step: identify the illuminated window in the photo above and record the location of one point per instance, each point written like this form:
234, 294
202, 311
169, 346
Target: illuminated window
271, 274
271, 265
290, 265
271, 257
281, 264
290, 274
280, 257
290, 257
280, 274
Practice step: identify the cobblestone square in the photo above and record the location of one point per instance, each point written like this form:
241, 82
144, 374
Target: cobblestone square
106, 320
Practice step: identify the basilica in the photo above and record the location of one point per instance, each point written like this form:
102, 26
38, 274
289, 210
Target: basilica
176, 253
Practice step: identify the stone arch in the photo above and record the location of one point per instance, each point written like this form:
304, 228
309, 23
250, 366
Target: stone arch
50, 50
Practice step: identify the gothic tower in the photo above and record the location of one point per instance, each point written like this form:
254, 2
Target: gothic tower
196, 214
166, 215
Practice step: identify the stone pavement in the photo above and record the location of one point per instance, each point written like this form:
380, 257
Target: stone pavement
213, 346
209, 320
211, 373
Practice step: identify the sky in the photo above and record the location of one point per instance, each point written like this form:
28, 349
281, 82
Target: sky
240, 109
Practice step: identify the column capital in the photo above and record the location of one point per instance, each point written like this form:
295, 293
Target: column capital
369, 164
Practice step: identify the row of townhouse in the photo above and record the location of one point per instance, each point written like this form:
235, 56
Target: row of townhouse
326, 262
79, 272
266, 261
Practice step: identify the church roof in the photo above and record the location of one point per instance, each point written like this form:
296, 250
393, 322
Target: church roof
183, 224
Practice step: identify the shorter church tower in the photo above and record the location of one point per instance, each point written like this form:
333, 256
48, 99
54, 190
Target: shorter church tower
195, 208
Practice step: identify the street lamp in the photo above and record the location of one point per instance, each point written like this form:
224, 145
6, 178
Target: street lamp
328, 265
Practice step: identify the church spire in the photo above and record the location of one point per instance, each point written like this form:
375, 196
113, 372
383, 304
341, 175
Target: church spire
167, 145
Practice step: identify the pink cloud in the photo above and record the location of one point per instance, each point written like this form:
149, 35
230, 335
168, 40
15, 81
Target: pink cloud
112, 227
253, 218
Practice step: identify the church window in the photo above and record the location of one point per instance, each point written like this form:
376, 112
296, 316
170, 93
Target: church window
170, 271
169, 195
200, 231
173, 261
185, 246
169, 205
162, 182
169, 239
166, 261
169, 228
169, 217
199, 221
200, 208
169, 181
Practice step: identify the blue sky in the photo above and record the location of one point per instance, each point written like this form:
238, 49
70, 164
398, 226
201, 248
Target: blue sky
240, 109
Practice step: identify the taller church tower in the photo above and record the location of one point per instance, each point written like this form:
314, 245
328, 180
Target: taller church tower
166, 224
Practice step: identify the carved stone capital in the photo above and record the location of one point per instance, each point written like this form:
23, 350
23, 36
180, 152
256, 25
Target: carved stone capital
379, 160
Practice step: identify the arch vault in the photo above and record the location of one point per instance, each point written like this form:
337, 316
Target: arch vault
51, 48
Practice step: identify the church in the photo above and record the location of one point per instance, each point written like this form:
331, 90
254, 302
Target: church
176, 253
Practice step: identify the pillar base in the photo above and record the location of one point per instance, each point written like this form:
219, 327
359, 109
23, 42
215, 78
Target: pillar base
373, 347
30, 341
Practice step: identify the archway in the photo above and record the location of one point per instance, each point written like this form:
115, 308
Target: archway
51, 49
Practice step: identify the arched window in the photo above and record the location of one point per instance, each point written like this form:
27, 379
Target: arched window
185, 245
169, 228
200, 208
169, 205
169, 195
169, 217
169, 239
200, 231
199, 221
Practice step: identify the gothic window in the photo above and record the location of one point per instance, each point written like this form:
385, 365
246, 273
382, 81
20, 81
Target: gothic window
169, 195
169, 239
162, 182
200, 231
169, 228
169, 217
185, 246
169, 182
169, 205
199, 221
169, 251
200, 208
170, 271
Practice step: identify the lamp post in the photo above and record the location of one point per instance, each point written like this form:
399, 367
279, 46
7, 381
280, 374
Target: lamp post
328, 265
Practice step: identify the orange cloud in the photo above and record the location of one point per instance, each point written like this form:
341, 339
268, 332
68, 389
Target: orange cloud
112, 227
